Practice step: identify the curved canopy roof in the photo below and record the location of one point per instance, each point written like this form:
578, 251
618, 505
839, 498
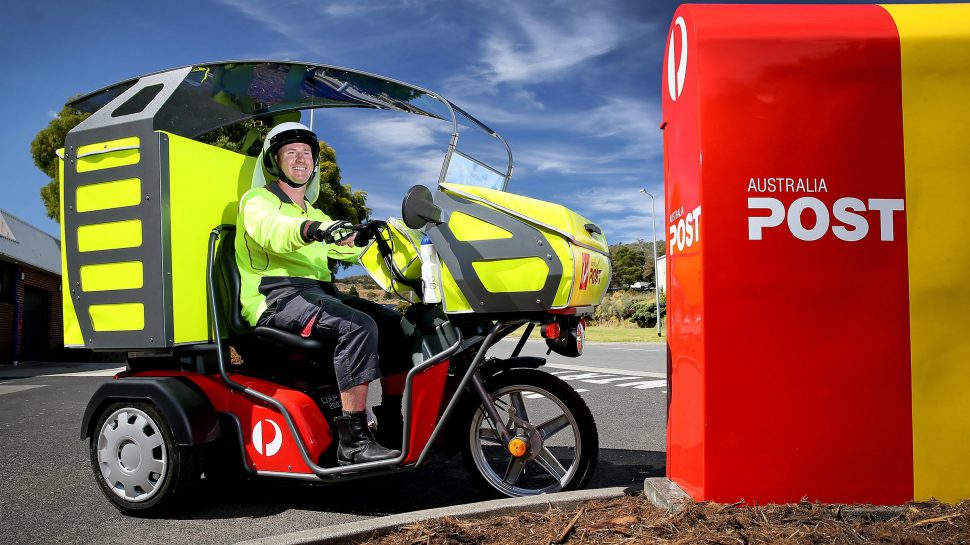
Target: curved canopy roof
193, 100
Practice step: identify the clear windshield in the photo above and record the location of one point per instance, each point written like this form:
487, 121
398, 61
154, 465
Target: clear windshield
218, 95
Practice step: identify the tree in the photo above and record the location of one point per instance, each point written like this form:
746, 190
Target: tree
627, 265
648, 258
44, 148
337, 200
245, 137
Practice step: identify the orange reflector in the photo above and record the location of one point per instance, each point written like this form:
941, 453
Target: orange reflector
517, 447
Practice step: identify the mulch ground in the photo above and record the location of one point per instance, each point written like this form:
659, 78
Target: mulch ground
633, 519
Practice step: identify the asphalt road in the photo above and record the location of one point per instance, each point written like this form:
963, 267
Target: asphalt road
48, 494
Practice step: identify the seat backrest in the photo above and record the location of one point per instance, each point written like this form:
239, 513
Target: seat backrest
228, 285
260, 344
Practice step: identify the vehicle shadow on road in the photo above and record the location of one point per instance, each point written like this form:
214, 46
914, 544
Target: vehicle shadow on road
442, 482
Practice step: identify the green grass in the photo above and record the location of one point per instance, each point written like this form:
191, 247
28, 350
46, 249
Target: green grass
604, 334
616, 334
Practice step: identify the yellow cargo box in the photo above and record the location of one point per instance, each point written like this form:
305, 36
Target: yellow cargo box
136, 214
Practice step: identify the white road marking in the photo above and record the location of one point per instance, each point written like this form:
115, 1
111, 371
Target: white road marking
645, 384
540, 396
605, 370
604, 380
11, 389
583, 376
601, 378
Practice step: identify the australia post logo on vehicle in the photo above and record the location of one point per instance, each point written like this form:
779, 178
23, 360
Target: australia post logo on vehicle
589, 275
267, 437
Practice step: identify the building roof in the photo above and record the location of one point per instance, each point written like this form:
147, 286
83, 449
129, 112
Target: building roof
22, 243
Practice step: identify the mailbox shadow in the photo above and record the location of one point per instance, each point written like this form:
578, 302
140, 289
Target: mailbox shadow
443, 482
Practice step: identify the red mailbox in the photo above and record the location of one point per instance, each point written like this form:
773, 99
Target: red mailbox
795, 165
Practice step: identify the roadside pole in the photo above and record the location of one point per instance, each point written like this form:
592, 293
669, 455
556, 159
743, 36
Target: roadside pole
656, 276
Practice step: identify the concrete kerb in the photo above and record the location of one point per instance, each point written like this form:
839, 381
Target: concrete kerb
376, 527
665, 494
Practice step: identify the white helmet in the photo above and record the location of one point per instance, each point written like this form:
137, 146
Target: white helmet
279, 136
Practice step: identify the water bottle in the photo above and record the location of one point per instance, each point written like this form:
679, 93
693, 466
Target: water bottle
429, 272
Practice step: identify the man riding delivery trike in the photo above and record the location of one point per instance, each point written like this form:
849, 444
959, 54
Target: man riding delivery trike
175, 250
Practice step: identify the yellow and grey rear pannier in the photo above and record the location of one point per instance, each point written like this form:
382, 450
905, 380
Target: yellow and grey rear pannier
500, 252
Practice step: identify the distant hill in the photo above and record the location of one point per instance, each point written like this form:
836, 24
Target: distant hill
361, 280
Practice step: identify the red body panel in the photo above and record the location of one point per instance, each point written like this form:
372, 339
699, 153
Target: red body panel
773, 396
427, 391
262, 424
268, 442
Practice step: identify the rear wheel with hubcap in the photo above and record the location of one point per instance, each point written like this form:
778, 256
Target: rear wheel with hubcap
135, 459
554, 443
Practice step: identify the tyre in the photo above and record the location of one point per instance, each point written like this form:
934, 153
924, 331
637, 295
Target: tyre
557, 440
136, 462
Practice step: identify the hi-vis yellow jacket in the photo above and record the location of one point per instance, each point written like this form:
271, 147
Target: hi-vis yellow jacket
273, 248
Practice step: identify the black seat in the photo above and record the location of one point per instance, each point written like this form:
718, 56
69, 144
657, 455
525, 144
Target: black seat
259, 346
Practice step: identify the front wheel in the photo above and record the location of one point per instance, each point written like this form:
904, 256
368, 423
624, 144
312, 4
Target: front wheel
555, 444
135, 459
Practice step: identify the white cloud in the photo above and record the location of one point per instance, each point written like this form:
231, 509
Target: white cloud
631, 123
400, 132
618, 116
562, 160
343, 9
383, 206
277, 16
621, 211
360, 7
412, 147
546, 45
626, 161
630, 228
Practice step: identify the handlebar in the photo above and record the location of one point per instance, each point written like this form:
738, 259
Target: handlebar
340, 231
371, 230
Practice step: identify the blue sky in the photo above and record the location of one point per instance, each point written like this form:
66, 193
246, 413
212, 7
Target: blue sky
574, 90
573, 86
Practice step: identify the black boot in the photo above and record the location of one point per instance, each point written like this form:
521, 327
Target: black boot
357, 445
390, 425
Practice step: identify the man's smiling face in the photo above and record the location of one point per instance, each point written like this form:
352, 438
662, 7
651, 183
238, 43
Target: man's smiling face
296, 162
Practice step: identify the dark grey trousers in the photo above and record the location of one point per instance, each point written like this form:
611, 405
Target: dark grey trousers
370, 341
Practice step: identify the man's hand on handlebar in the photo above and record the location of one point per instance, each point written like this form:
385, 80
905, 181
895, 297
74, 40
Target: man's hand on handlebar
341, 232
336, 232
366, 231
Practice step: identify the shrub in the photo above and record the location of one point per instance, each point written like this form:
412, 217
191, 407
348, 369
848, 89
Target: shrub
638, 307
644, 313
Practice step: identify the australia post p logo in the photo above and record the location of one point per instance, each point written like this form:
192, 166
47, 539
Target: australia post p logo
267, 437
589, 274
677, 64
